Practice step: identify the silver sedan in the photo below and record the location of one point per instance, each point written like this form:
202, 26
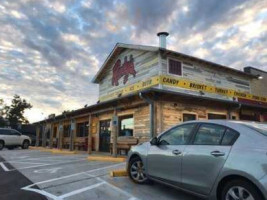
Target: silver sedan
215, 159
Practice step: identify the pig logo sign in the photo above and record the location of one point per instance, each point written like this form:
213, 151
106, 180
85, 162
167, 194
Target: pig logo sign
123, 70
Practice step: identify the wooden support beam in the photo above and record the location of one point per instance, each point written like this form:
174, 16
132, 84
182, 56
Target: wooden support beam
90, 147
114, 132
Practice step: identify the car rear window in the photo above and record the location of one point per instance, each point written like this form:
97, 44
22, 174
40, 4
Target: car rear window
260, 127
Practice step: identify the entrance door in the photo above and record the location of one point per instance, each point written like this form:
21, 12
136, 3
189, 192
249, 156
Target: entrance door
105, 132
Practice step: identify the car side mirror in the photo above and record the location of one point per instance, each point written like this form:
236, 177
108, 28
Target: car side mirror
154, 141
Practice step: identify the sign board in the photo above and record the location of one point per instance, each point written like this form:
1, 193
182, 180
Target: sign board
72, 125
185, 84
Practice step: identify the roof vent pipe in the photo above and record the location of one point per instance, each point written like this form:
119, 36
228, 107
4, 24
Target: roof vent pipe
162, 39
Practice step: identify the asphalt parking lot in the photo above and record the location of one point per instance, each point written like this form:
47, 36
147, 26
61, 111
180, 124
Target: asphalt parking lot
34, 175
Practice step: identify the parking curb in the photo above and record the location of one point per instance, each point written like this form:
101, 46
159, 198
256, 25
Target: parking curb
118, 173
63, 152
106, 159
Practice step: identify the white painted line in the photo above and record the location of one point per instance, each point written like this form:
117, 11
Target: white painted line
4, 167
25, 162
63, 177
45, 165
131, 197
42, 192
81, 190
28, 188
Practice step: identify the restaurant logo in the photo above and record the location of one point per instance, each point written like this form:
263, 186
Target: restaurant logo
123, 70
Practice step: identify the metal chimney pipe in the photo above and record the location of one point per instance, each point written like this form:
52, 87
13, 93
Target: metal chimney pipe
162, 39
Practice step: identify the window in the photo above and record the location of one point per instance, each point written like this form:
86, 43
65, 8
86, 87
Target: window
66, 131
229, 137
4, 132
175, 67
209, 134
126, 125
188, 117
13, 132
177, 136
82, 129
216, 116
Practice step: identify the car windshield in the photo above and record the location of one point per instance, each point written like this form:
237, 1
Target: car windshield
260, 127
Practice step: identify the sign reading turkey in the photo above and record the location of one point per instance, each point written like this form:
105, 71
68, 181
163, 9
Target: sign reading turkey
123, 70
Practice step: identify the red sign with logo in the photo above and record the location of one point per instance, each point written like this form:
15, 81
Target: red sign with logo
123, 70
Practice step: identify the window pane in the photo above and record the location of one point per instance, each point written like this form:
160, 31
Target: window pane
126, 126
216, 116
175, 67
177, 136
228, 137
188, 117
209, 134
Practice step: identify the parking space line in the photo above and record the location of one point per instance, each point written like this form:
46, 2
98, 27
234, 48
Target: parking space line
4, 167
46, 165
81, 190
26, 162
131, 197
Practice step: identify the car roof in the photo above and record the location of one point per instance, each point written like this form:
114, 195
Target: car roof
234, 124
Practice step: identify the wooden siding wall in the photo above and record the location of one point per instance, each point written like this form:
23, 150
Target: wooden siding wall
146, 66
172, 113
209, 75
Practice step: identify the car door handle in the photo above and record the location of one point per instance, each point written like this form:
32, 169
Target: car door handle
176, 152
217, 153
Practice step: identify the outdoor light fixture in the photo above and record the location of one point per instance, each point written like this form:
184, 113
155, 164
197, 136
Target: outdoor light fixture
260, 76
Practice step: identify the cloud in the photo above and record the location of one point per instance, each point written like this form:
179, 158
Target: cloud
50, 50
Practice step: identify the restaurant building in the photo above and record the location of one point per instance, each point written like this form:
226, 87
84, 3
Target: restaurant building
145, 90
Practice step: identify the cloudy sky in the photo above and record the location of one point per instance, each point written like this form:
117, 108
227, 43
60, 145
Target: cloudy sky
51, 49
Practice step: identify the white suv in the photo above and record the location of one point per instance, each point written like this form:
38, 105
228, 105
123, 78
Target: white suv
11, 138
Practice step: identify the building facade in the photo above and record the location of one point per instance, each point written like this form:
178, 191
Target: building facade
144, 91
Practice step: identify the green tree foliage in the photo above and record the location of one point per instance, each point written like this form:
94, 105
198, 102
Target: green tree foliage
15, 112
3, 122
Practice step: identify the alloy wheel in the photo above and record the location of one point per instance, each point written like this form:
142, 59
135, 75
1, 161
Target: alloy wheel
238, 193
137, 171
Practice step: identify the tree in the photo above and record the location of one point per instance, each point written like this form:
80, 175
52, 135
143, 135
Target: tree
15, 112
3, 122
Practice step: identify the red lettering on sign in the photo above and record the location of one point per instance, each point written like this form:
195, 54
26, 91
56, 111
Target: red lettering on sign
125, 69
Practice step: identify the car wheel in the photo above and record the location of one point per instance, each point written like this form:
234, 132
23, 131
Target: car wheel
25, 144
2, 145
136, 171
240, 190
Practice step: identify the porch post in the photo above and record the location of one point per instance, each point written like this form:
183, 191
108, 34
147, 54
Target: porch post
44, 136
114, 133
72, 127
90, 135
60, 135
51, 135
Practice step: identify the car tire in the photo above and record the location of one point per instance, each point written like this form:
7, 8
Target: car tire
25, 144
136, 171
2, 145
240, 188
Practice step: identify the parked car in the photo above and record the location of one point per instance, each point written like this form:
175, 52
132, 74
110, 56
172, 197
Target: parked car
217, 159
11, 138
